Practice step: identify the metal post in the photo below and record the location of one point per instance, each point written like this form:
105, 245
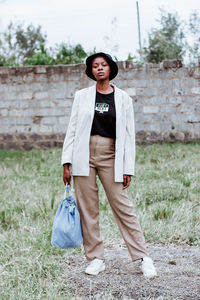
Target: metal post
139, 34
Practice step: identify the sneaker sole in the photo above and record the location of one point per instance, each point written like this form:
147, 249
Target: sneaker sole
153, 274
95, 273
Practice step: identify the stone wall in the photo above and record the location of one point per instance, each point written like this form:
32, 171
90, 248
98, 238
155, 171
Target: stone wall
35, 102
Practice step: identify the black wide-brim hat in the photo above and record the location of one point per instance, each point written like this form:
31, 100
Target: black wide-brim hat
110, 61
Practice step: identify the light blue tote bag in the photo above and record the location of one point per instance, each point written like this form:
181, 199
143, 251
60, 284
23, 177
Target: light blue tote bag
66, 231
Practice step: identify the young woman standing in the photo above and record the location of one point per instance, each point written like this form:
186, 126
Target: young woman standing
100, 140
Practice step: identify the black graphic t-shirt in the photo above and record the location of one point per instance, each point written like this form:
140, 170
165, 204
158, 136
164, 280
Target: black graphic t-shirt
104, 122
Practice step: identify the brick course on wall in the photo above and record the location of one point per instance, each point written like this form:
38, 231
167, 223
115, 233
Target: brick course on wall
35, 102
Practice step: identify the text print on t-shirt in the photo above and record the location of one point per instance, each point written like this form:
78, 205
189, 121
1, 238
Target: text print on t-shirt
102, 107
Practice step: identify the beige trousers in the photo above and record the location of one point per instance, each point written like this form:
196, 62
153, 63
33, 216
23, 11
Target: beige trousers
102, 154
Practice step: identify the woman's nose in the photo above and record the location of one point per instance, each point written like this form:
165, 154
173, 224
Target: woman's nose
100, 67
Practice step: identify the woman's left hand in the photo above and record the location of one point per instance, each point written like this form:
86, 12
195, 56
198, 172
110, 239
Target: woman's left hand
127, 180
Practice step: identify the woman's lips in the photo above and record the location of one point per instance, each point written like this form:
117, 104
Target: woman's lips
100, 73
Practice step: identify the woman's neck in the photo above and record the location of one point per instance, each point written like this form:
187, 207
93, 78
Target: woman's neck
104, 87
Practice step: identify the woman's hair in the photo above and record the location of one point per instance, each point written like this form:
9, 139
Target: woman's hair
108, 58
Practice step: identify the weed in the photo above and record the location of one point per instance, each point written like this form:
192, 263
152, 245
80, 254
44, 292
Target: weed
162, 212
53, 198
186, 182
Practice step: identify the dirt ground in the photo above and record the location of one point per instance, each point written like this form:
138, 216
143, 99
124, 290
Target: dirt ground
178, 275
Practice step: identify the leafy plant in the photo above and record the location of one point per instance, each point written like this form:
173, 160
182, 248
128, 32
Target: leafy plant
18, 43
40, 58
194, 32
166, 42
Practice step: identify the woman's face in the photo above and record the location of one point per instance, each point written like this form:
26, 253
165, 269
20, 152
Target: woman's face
100, 68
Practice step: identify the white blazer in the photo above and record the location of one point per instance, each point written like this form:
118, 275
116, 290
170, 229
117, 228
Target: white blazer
76, 143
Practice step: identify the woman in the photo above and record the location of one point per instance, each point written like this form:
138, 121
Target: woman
100, 140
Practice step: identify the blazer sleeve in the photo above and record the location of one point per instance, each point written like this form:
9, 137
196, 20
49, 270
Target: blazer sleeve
129, 150
68, 144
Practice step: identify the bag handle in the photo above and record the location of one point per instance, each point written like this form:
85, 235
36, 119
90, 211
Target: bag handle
69, 188
72, 184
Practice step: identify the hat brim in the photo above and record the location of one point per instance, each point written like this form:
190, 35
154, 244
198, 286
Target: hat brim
112, 64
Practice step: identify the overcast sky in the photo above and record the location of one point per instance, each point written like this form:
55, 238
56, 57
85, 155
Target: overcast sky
101, 24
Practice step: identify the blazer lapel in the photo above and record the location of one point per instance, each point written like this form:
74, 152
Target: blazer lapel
91, 99
118, 104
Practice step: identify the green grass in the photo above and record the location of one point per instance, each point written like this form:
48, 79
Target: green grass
165, 193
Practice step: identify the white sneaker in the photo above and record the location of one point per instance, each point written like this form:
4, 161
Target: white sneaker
148, 269
95, 267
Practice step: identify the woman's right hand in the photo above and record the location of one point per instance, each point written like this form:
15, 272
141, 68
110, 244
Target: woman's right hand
66, 174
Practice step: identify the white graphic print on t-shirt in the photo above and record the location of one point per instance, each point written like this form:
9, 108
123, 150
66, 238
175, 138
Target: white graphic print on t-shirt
102, 107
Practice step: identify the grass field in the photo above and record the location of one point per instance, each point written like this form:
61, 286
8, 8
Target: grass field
165, 192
